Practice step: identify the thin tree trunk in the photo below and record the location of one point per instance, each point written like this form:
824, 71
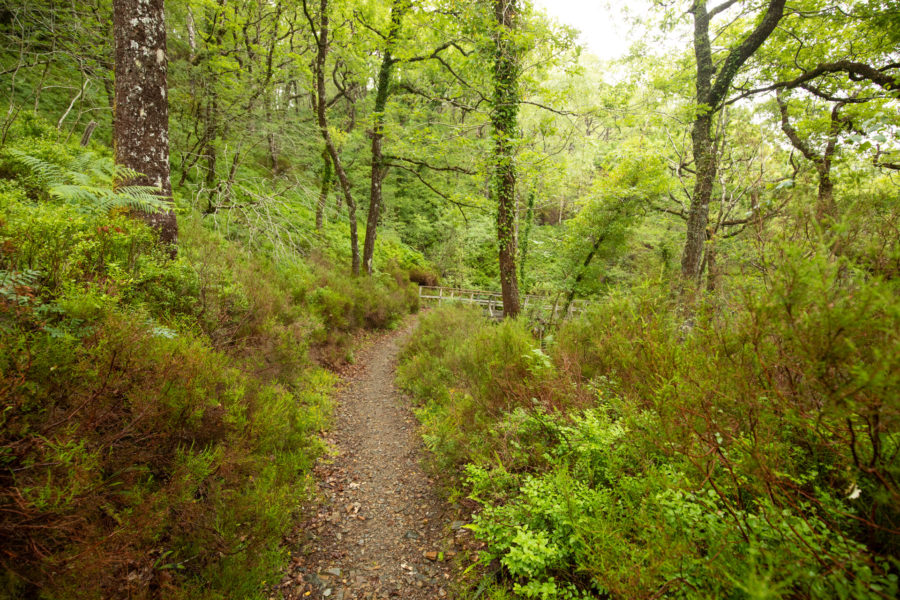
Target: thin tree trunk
529, 220
88, 132
141, 133
398, 8
321, 55
212, 109
698, 215
712, 86
323, 191
211, 117
826, 210
703, 147
504, 119
570, 296
110, 89
712, 266
271, 140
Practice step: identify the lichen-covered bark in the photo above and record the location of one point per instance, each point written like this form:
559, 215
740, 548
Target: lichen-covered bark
504, 118
826, 209
398, 8
321, 37
712, 87
141, 134
323, 190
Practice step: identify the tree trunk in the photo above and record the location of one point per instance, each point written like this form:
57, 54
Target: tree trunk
570, 296
698, 215
215, 33
398, 8
712, 266
141, 134
109, 86
211, 128
321, 54
826, 210
271, 140
323, 190
703, 147
504, 118
712, 89
529, 221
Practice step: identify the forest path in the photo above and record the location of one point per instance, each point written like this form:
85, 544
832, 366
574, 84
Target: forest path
381, 530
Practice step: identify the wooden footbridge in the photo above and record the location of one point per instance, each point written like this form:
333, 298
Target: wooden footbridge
534, 307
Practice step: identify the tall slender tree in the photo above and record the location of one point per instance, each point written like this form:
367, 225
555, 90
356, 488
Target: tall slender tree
398, 9
504, 118
141, 125
712, 86
324, 188
320, 33
826, 210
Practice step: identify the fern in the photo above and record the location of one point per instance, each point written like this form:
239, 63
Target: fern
86, 181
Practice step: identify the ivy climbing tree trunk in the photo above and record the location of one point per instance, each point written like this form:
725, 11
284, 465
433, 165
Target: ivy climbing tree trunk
320, 34
398, 9
141, 134
711, 90
504, 118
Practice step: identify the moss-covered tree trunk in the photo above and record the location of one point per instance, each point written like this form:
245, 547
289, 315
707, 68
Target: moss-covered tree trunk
826, 209
398, 8
323, 189
526, 236
504, 118
321, 37
713, 83
141, 134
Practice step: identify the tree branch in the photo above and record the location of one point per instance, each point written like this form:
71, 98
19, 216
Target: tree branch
855, 71
456, 203
738, 56
722, 7
421, 163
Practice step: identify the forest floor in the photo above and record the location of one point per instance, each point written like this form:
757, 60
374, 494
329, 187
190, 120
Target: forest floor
380, 529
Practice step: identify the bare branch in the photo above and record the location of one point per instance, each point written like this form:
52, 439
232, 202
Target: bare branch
456, 203
421, 163
722, 7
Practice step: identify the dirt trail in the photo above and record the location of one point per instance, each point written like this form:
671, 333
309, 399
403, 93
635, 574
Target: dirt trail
381, 531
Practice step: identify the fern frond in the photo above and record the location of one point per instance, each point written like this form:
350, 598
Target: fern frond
142, 197
86, 181
123, 173
84, 162
47, 173
74, 193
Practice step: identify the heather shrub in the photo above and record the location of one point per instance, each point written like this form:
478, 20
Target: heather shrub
744, 445
160, 416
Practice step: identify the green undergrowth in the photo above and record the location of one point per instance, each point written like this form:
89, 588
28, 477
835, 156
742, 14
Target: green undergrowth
746, 448
159, 416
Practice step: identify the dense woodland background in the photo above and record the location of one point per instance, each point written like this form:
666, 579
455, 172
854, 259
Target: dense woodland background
722, 423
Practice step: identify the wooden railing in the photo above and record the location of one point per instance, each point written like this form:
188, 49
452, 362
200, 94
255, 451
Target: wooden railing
531, 305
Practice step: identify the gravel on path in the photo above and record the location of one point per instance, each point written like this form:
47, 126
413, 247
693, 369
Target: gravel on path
381, 530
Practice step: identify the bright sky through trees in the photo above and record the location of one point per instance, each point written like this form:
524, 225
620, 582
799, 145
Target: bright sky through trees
602, 23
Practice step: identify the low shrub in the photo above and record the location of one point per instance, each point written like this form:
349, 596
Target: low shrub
745, 446
159, 416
